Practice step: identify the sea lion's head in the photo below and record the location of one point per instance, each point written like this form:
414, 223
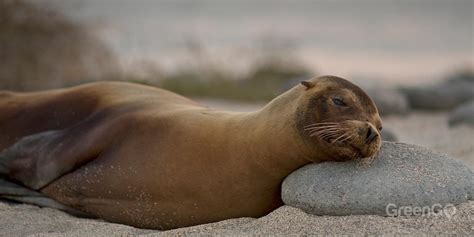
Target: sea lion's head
338, 120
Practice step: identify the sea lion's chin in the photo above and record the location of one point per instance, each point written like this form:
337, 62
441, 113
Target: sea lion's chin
360, 151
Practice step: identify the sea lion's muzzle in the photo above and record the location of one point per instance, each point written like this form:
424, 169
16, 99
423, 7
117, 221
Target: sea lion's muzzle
350, 139
367, 141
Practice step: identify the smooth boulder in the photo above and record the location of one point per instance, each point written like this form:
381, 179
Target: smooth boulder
402, 175
464, 114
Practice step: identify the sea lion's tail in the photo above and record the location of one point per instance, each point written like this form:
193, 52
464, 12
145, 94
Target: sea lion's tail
11, 191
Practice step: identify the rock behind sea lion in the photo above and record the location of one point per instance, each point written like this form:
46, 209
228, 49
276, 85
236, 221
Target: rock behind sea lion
464, 114
389, 101
403, 175
444, 96
388, 135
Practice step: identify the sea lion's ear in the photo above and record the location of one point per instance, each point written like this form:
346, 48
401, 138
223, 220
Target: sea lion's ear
308, 84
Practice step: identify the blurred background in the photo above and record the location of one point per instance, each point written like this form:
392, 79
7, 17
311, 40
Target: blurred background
415, 58
372, 41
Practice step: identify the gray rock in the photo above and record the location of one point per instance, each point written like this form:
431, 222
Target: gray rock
403, 175
464, 114
389, 135
463, 75
443, 96
389, 101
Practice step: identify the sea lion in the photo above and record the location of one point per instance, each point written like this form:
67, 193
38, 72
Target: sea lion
149, 158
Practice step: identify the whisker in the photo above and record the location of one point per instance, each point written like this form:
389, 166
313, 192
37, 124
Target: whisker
339, 131
319, 134
325, 126
325, 130
313, 128
347, 138
345, 134
322, 133
328, 135
326, 123
320, 124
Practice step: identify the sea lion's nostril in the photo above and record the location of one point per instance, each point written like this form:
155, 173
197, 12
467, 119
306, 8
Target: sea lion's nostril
371, 134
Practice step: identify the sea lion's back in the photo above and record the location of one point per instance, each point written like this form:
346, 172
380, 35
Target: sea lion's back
23, 114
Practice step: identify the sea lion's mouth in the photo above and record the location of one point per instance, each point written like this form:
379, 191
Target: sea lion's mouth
349, 150
357, 151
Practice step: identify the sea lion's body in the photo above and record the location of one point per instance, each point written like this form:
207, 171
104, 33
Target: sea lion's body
147, 157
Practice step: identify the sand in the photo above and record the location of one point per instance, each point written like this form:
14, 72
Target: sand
426, 129
33, 221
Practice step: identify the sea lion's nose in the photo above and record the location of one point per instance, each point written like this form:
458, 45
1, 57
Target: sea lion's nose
371, 134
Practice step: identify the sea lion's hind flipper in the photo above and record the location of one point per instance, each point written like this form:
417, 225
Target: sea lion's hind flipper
14, 192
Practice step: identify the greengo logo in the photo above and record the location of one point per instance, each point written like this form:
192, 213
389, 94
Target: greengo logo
446, 210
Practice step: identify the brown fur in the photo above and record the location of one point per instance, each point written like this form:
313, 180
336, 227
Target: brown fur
147, 157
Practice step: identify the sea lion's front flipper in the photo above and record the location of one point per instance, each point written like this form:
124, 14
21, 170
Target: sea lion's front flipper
23, 159
39, 159
14, 192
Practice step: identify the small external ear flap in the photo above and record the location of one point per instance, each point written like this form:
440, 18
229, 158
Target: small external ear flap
308, 84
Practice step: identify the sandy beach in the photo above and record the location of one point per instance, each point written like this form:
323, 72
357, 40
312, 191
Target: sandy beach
427, 129
25, 220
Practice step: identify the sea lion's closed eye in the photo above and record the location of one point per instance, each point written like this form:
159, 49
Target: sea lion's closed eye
339, 102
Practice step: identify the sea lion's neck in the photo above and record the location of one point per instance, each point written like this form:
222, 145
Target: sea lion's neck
270, 137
